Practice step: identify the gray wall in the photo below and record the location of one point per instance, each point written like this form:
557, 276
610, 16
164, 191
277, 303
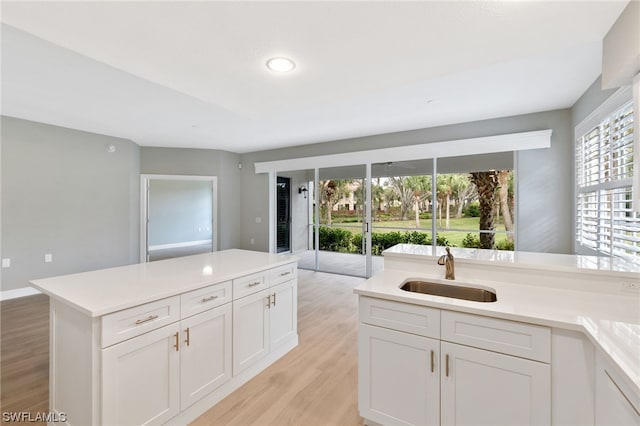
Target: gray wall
621, 48
591, 99
205, 162
545, 177
64, 194
179, 211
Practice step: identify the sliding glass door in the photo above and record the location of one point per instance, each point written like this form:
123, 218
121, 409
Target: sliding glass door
340, 220
354, 213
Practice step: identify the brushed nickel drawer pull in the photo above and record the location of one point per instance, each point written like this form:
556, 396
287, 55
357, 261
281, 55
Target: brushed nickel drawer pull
209, 299
285, 273
253, 284
187, 339
447, 366
149, 318
433, 361
177, 344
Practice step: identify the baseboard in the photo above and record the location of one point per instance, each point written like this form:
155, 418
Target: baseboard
178, 245
18, 292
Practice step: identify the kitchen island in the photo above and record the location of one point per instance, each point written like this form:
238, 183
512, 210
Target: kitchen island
560, 345
161, 342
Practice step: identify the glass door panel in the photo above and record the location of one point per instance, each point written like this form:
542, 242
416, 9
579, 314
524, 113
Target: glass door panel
341, 216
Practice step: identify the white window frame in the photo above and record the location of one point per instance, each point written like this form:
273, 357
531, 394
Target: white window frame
611, 106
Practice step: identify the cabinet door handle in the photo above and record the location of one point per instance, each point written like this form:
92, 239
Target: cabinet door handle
149, 318
274, 299
446, 368
177, 344
209, 299
253, 284
269, 301
187, 341
433, 361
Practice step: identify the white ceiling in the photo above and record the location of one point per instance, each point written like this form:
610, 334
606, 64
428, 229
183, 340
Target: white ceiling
192, 74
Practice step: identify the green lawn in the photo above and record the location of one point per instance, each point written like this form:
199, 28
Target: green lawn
464, 226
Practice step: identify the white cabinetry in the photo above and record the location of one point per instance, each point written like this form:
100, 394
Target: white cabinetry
152, 377
616, 404
169, 360
481, 387
398, 381
416, 367
251, 331
263, 320
140, 379
283, 314
205, 354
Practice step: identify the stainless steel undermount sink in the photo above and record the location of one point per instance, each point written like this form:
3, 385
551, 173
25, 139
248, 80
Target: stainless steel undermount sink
448, 290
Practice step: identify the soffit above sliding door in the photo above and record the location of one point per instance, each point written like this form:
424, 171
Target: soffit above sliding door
454, 148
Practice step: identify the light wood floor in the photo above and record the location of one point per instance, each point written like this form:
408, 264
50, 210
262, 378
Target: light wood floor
314, 384
24, 355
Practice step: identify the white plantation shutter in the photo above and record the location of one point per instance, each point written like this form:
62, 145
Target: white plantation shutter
605, 220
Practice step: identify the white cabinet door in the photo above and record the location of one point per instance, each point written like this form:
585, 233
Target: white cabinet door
398, 376
141, 379
283, 315
250, 329
613, 398
205, 355
480, 387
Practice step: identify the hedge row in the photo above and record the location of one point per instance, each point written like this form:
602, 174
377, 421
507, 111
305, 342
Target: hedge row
341, 240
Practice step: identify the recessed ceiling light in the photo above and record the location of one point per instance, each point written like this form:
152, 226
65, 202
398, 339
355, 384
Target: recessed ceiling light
281, 64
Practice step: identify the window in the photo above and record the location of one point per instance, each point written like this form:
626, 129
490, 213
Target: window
605, 221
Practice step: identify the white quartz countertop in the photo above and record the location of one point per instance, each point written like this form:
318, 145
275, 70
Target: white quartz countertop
101, 292
611, 321
529, 260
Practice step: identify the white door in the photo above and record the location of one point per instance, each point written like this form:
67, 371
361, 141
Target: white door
613, 407
250, 329
480, 387
398, 377
205, 356
141, 379
283, 315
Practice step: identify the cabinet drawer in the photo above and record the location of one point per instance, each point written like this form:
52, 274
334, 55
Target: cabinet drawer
123, 325
204, 299
250, 284
498, 335
420, 320
283, 274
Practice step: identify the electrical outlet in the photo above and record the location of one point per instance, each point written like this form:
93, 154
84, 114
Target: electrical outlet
48, 258
6, 262
633, 286
252, 241
258, 219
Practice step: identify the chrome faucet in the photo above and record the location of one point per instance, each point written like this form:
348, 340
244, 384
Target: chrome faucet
447, 261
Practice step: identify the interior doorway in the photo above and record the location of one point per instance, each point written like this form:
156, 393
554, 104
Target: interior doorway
283, 215
177, 216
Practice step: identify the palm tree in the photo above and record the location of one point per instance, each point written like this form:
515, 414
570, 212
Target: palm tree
402, 188
377, 197
503, 181
331, 192
486, 183
464, 192
421, 188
